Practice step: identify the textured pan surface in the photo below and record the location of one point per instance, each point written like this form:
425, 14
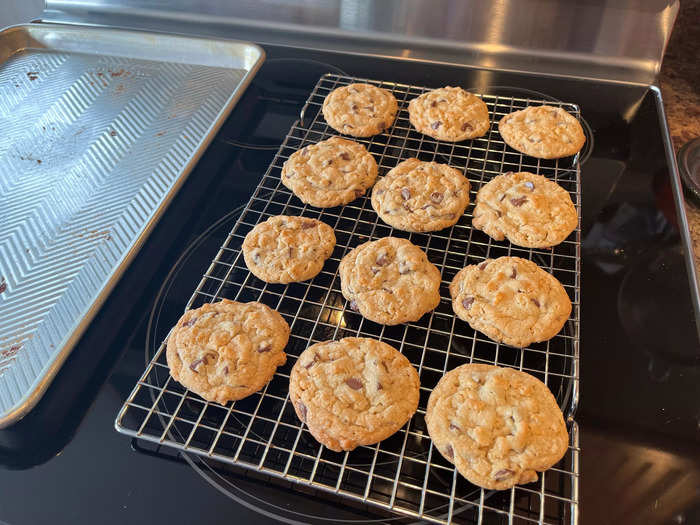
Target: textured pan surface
98, 129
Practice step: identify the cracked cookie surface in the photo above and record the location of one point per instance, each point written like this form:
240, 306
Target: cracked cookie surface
511, 300
530, 210
544, 132
227, 350
450, 114
360, 110
390, 281
352, 392
419, 196
330, 173
498, 426
285, 249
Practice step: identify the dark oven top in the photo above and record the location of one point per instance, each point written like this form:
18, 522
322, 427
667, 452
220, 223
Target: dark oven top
638, 412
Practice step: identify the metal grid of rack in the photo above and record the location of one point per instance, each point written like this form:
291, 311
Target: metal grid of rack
404, 473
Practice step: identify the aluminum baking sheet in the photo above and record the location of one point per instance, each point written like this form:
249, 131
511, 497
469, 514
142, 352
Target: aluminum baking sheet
100, 127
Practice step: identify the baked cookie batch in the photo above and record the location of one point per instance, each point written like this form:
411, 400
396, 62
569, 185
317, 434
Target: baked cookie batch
498, 426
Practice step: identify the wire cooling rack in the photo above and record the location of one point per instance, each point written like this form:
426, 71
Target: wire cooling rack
404, 473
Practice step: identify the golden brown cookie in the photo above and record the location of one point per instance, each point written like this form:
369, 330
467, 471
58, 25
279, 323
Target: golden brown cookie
511, 300
330, 173
419, 196
352, 392
498, 426
530, 210
390, 281
285, 249
450, 114
544, 132
227, 350
360, 110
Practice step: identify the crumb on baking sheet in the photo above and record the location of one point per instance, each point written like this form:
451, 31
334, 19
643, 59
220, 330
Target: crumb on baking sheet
10, 352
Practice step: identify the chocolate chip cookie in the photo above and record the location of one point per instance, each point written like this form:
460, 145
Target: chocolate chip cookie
389, 281
419, 196
498, 426
286, 249
544, 132
330, 173
352, 392
450, 114
511, 300
530, 210
360, 110
227, 350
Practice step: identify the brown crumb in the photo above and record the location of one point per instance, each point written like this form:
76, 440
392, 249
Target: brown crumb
38, 161
32, 75
160, 133
95, 234
113, 133
3, 285
8, 354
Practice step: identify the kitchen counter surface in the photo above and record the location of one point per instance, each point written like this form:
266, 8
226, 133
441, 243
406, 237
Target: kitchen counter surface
680, 87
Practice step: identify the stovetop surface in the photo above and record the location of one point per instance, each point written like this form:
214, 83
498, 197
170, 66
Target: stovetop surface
640, 376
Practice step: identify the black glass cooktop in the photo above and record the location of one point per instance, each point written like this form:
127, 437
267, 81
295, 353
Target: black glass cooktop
640, 357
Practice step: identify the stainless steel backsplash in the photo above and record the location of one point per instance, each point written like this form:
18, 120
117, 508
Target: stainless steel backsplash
602, 39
